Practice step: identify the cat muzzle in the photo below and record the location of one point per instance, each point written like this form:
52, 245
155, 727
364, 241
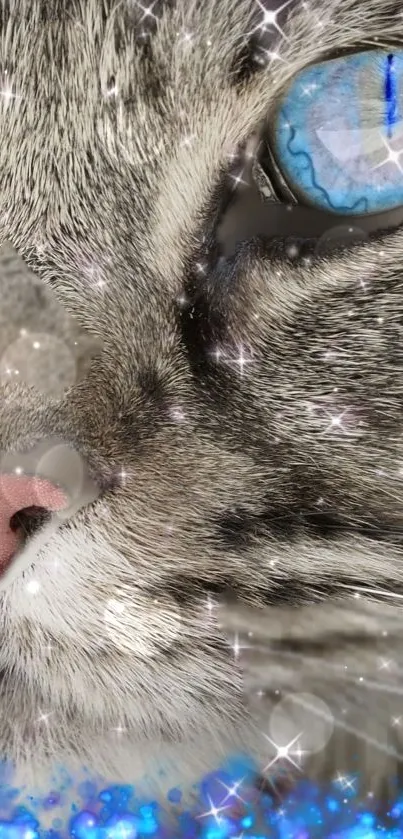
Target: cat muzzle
39, 491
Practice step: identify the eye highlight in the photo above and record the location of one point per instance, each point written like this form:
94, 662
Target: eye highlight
338, 134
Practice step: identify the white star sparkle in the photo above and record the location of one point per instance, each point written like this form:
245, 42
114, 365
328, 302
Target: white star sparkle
211, 604
336, 422
7, 94
188, 140
345, 782
384, 664
241, 360
232, 792
217, 353
147, 11
94, 275
186, 38
285, 752
177, 414
272, 55
238, 179
32, 587
214, 811
270, 18
182, 301
307, 89
44, 718
237, 647
119, 729
123, 476
393, 156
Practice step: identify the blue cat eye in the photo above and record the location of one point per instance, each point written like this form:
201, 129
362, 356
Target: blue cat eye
338, 134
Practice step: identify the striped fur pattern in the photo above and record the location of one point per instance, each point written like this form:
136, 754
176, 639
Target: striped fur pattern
269, 487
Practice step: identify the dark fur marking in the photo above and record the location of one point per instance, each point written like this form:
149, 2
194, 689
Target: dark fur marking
296, 591
299, 591
245, 63
152, 387
319, 646
237, 527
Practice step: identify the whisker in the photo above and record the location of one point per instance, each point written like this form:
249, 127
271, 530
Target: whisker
333, 666
376, 591
361, 735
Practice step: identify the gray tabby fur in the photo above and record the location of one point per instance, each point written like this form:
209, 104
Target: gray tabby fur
105, 197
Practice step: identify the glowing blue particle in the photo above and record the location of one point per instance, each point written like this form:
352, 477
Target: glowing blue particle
174, 795
121, 826
247, 821
148, 823
52, 800
85, 826
87, 790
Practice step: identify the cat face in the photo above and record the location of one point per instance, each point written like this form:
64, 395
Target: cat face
230, 451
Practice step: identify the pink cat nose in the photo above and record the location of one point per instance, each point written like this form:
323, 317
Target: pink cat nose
46, 484
24, 500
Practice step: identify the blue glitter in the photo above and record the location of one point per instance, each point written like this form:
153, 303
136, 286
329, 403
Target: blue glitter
309, 812
175, 796
121, 826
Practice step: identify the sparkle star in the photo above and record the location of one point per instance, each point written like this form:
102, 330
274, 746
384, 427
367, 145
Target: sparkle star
237, 647
93, 273
232, 792
8, 94
217, 353
272, 55
393, 156
122, 477
345, 782
186, 38
238, 179
336, 422
147, 11
177, 414
240, 361
285, 752
43, 718
182, 301
307, 90
211, 605
188, 140
214, 812
119, 729
270, 18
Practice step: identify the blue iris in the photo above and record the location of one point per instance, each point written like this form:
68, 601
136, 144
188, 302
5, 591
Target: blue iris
338, 136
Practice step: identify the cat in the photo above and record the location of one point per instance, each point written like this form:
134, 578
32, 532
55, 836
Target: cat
244, 543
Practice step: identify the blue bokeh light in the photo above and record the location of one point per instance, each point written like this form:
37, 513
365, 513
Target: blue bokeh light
229, 808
